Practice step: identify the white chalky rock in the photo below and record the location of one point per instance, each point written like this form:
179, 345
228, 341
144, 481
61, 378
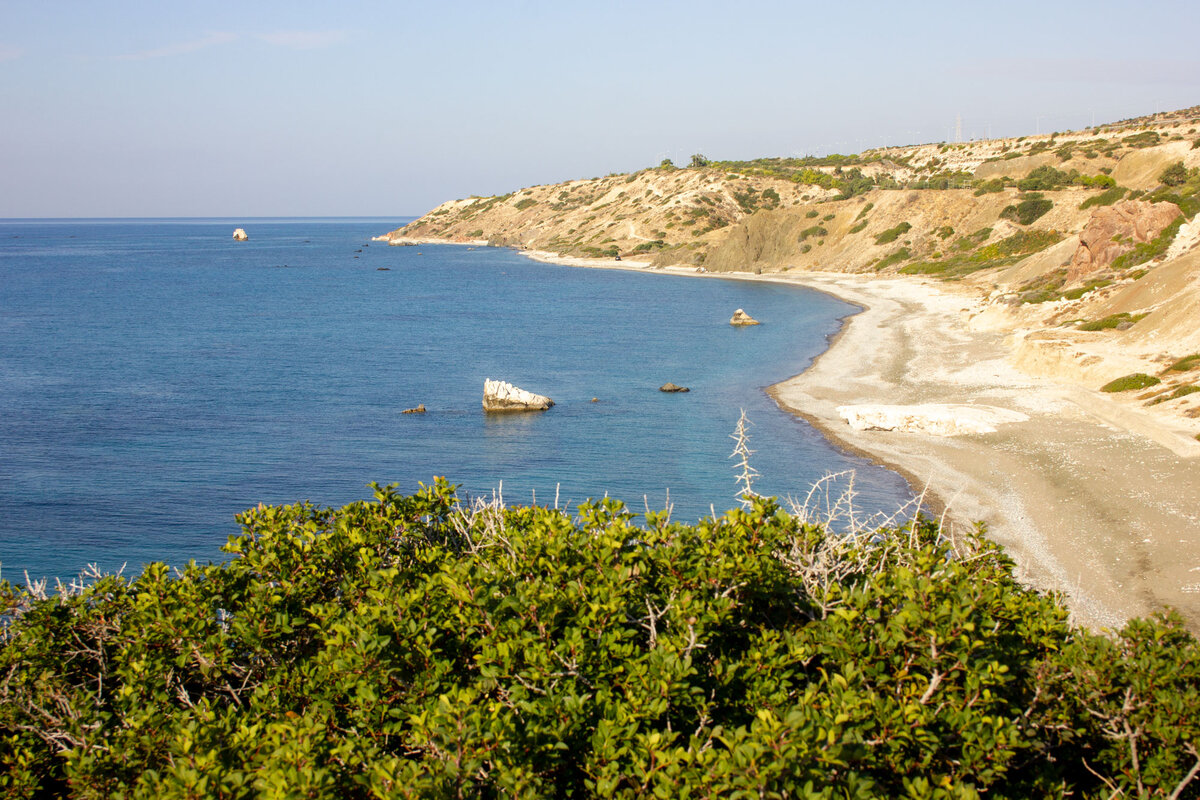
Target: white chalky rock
932, 418
502, 396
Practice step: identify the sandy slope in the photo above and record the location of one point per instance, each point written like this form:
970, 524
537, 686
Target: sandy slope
1083, 499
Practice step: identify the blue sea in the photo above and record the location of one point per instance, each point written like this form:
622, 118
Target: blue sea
157, 377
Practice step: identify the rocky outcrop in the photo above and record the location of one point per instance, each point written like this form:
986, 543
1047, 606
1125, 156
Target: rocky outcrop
670, 387
420, 409
1115, 230
740, 317
502, 396
239, 235
931, 418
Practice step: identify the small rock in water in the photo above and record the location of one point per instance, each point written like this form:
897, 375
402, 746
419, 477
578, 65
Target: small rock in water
240, 235
670, 387
595, 399
383, 269
420, 409
740, 317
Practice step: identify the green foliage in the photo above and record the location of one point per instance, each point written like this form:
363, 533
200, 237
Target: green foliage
667, 165
1105, 198
1027, 211
1136, 380
645, 247
892, 234
699, 160
1002, 253
815, 230
1147, 251
415, 646
1186, 363
1087, 286
864, 211
991, 187
476, 234
1182, 391
1174, 175
1044, 178
1043, 288
1143, 139
521, 205
944, 232
898, 257
812, 214
1112, 321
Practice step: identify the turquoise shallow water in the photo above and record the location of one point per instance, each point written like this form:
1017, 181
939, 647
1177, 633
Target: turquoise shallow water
157, 377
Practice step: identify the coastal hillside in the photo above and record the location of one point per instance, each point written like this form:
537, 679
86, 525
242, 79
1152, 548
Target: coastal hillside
1083, 243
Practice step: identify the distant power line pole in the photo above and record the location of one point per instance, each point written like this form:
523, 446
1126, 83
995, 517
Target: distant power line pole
958, 129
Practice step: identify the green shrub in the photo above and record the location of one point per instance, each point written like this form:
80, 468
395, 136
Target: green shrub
815, 230
812, 214
897, 257
1186, 363
476, 234
1044, 178
864, 211
1111, 321
1027, 211
1174, 175
521, 205
859, 226
1137, 380
892, 234
944, 232
413, 646
1105, 198
1183, 391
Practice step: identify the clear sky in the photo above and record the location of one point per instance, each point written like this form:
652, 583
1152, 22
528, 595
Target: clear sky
269, 108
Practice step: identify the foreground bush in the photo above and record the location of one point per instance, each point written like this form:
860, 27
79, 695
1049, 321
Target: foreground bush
416, 646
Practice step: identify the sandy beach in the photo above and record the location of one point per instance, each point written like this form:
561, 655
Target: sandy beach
1089, 497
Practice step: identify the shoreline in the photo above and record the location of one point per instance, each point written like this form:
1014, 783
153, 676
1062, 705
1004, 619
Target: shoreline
1083, 497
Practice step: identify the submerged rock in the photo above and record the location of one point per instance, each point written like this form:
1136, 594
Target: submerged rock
503, 396
740, 317
670, 387
240, 235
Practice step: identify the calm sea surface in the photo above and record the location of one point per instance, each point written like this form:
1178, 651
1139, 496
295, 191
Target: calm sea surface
156, 378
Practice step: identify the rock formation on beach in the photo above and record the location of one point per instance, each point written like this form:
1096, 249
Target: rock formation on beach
240, 235
937, 419
503, 396
740, 317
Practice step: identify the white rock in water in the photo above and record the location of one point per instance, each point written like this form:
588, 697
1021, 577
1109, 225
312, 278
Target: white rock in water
742, 318
931, 418
502, 396
239, 235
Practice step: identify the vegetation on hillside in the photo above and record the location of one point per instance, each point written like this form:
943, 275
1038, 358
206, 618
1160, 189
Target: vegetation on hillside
419, 646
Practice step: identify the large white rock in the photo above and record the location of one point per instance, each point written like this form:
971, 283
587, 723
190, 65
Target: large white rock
503, 396
937, 419
239, 235
740, 317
